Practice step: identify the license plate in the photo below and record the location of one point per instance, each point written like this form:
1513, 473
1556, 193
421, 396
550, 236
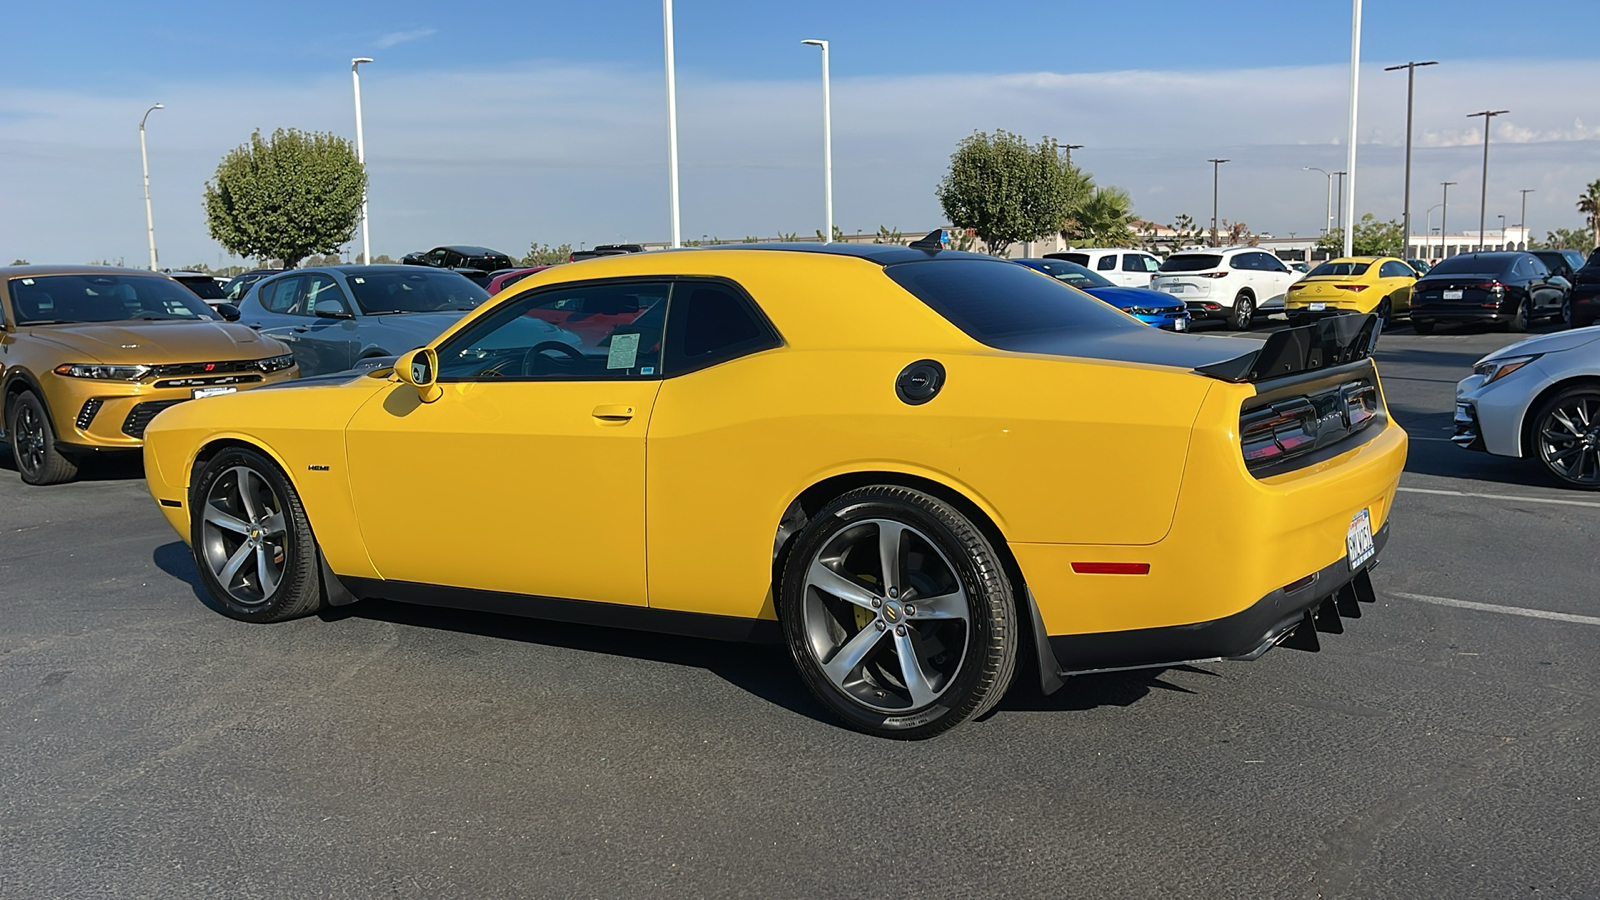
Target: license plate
1173, 288
1452, 295
1180, 325
197, 393
1316, 307
1358, 540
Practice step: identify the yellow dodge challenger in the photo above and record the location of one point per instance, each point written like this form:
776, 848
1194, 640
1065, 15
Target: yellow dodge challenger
913, 466
1380, 285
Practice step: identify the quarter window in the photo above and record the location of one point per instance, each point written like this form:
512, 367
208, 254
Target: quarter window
1241, 261
582, 332
711, 322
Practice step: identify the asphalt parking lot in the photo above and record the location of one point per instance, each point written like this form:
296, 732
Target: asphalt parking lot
150, 747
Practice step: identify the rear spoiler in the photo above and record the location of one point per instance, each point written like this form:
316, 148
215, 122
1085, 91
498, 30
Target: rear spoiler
1322, 344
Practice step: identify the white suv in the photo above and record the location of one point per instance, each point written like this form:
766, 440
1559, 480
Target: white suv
1229, 283
1122, 267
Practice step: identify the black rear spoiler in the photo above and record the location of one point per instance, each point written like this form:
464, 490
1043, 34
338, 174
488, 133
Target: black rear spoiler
1323, 344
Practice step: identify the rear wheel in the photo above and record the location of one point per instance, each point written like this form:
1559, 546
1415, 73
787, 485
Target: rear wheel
33, 443
1566, 311
898, 613
1421, 327
1567, 437
1519, 322
1244, 310
1385, 315
252, 542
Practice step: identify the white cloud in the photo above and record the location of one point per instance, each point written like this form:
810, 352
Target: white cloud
509, 155
395, 38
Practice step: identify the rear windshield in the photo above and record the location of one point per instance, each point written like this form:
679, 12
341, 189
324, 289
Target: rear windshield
1472, 264
205, 288
1081, 259
66, 299
1193, 262
414, 290
994, 301
1340, 268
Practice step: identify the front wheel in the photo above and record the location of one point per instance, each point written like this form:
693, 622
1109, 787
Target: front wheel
1567, 437
33, 444
1244, 310
898, 613
252, 541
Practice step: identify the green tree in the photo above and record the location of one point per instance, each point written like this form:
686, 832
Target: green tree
286, 197
20, 262
838, 234
1567, 239
546, 255
1104, 219
1370, 238
1589, 205
1007, 190
887, 235
383, 259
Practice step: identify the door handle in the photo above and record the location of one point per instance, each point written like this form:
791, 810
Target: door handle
613, 412
299, 329
255, 326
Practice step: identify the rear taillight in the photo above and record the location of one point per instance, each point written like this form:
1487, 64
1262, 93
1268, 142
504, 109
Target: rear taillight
1213, 275
1358, 288
1360, 404
1490, 286
1277, 431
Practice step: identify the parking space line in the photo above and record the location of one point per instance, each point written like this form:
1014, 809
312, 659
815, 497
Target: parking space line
1555, 500
1497, 608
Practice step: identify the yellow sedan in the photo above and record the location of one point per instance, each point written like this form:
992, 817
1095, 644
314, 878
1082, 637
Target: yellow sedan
910, 466
1353, 284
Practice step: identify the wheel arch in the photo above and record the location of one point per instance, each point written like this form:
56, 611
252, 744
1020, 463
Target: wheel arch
17, 382
219, 443
1525, 428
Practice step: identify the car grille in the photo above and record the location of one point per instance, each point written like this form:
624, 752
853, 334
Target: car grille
1290, 427
207, 381
91, 408
171, 370
139, 417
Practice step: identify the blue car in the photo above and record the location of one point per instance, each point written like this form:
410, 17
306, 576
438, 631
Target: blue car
335, 317
1149, 307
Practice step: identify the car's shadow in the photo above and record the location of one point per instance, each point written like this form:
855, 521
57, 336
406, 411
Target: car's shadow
763, 670
117, 466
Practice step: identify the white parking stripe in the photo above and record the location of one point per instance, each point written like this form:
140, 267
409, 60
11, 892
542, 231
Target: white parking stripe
1496, 608
1555, 500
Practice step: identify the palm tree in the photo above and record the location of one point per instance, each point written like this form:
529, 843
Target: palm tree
1104, 219
1589, 205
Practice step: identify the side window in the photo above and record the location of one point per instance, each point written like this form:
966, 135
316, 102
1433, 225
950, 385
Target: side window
283, 295
711, 322
1394, 269
1532, 267
1133, 262
437, 256
1241, 261
324, 290
580, 332
1106, 263
1151, 264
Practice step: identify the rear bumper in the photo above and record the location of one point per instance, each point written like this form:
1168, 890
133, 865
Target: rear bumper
1301, 315
1446, 314
1292, 614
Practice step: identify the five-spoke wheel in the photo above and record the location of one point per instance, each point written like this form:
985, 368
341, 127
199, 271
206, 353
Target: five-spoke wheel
251, 540
898, 613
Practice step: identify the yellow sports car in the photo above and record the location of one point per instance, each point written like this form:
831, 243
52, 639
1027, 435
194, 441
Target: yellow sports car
89, 354
914, 466
1380, 285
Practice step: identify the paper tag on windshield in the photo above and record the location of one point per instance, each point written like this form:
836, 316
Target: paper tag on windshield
624, 351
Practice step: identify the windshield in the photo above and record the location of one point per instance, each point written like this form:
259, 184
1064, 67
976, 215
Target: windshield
1472, 264
1340, 268
65, 299
1191, 262
205, 288
414, 290
1070, 273
994, 301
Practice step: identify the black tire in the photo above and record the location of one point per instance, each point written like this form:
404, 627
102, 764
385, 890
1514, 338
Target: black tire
1243, 312
297, 588
1385, 315
1568, 448
33, 443
1565, 318
1422, 327
873, 693
1519, 322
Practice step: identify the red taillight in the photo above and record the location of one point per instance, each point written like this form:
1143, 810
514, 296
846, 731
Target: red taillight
1213, 274
1489, 286
1111, 568
1358, 288
1213, 306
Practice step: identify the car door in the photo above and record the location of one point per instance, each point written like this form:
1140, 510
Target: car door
1106, 266
273, 311
1274, 278
329, 343
1396, 279
527, 474
1545, 289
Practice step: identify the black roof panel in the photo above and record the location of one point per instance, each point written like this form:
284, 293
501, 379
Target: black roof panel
882, 254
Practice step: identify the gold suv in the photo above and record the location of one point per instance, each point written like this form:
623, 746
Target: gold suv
90, 354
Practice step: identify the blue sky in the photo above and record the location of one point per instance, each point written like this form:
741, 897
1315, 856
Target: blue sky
505, 123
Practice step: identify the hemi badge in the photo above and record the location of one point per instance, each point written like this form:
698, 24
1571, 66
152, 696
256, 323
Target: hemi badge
1111, 568
317, 468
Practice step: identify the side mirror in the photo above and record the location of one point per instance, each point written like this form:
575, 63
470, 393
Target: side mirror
332, 309
420, 369
227, 311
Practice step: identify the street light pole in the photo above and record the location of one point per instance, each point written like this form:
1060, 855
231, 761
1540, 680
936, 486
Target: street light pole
1069, 148
1328, 209
1338, 211
1526, 242
361, 157
144, 160
1411, 79
672, 123
827, 145
1502, 229
1444, 218
1483, 199
1349, 199
1216, 164
1427, 237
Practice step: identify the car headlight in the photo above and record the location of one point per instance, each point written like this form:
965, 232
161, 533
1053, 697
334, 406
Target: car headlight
102, 372
1495, 369
275, 363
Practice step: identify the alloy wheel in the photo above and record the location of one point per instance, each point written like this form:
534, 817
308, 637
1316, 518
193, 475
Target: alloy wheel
885, 616
29, 441
1569, 439
244, 535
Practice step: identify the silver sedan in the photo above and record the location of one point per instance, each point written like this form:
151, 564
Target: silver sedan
1538, 399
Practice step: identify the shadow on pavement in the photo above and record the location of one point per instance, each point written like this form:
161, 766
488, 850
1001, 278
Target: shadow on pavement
113, 466
1445, 460
1081, 693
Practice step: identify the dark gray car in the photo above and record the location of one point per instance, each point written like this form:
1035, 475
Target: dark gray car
335, 316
